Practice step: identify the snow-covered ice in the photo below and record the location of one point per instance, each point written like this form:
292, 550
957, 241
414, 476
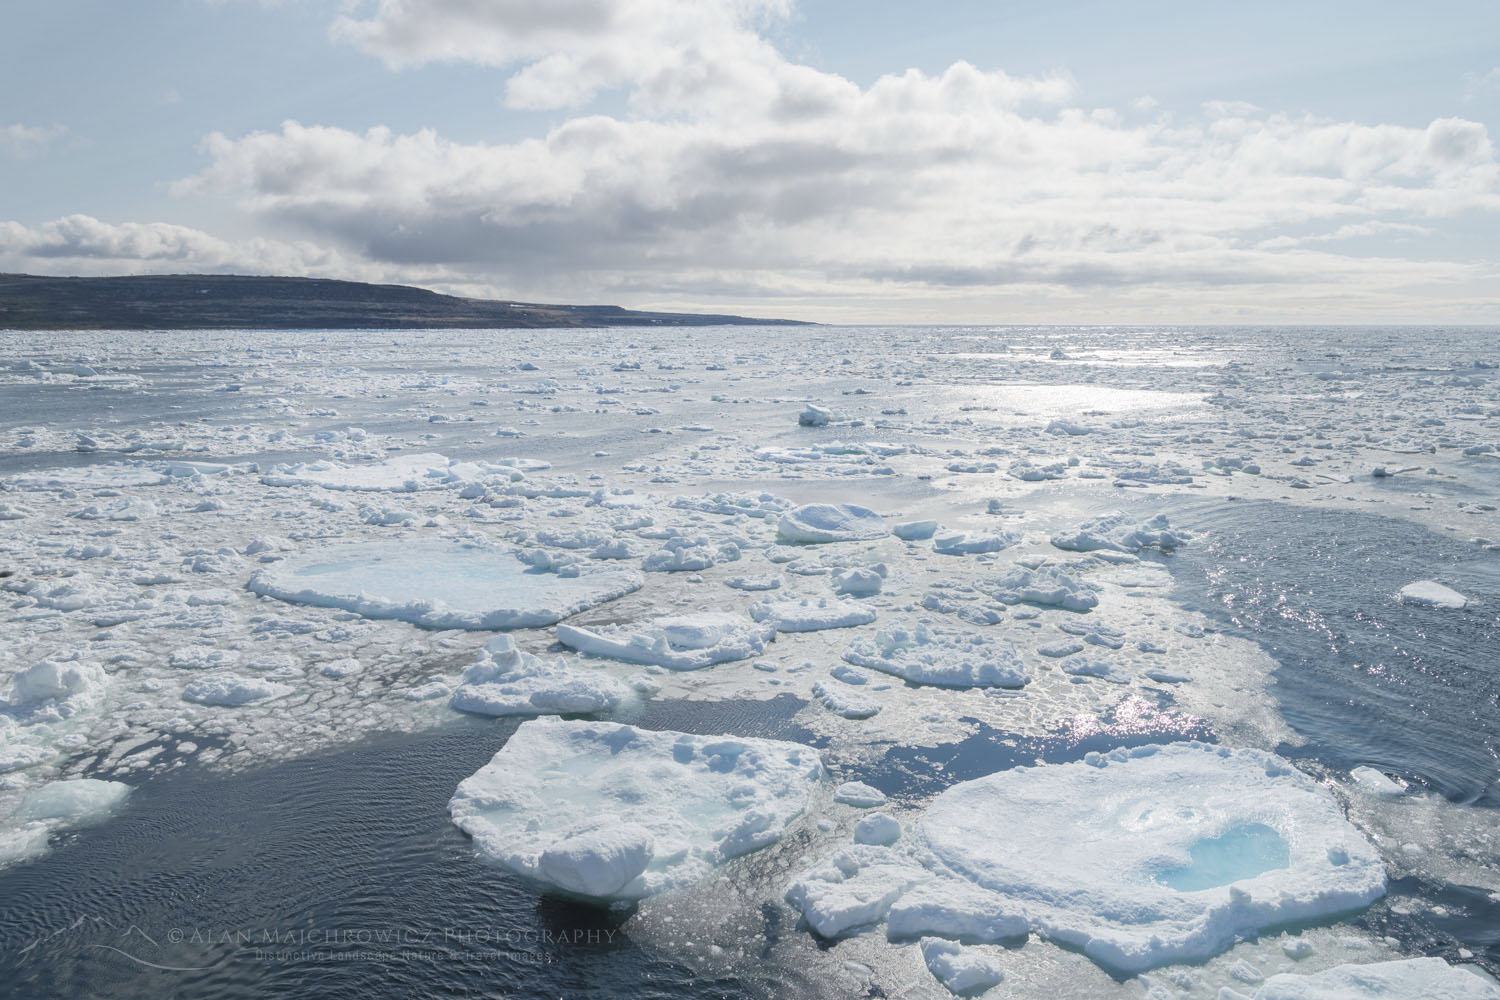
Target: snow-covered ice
676, 642
610, 812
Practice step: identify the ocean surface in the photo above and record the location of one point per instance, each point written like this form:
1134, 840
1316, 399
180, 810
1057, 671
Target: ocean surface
303, 847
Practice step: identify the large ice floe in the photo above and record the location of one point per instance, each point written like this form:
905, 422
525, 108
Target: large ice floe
510, 681
827, 522
444, 585
614, 813
940, 656
1408, 979
1139, 858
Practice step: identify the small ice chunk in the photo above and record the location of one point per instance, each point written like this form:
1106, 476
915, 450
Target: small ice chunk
962, 971
877, 828
578, 805
1374, 782
825, 522
814, 416
1431, 594
861, 581
839, 700
915, 531
968, 543
859, 794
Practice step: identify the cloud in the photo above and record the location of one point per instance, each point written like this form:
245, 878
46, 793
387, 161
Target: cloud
729, 170
28, 140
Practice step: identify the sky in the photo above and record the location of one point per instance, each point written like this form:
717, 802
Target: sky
955, 161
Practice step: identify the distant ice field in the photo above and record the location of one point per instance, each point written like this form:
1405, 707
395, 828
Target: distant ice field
959, 566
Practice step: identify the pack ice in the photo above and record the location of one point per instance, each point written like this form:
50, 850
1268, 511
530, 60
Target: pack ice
444, 584
1140, 858
614, 813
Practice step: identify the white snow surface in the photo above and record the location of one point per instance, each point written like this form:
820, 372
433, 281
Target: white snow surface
612, 812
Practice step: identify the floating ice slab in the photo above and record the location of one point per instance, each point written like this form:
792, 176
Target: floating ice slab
940, 656
443, 585
1155, 855
1408, 979
398, 474
1431, 594
510, 681
676, 642
812, 614
610, 812
826, 522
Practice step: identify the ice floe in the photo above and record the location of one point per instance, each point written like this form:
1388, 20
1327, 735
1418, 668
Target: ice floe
443, 585
812, 614
940, 656
676, 642
1139, 858
509, 681
825, 522
1431, 594
614, 813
